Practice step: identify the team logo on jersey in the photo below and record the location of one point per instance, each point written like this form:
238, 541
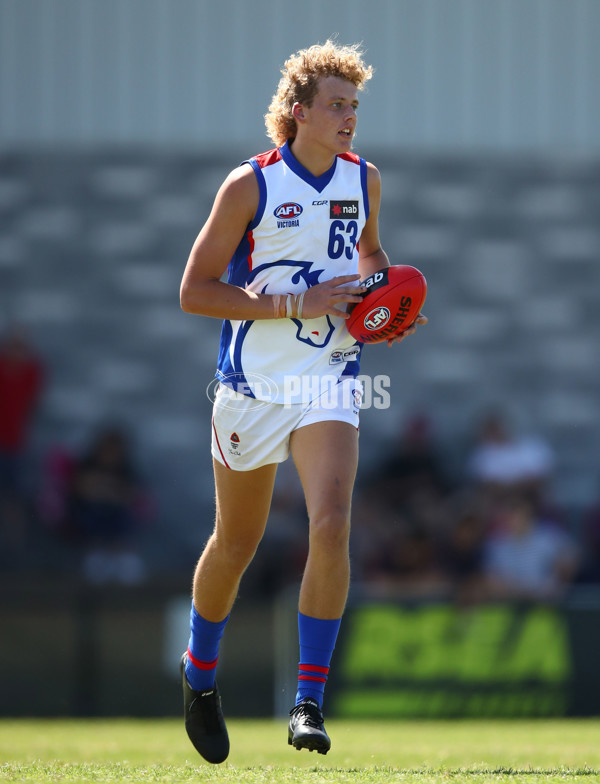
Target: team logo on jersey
302, 275
377, 318
343, 209
287, 214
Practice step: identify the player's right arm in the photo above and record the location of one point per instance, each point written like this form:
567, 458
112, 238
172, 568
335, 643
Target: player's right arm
203, 292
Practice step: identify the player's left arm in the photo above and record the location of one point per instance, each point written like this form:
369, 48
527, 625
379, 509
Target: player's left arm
372, 257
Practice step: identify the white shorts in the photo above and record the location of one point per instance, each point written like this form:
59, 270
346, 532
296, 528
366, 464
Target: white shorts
249, 433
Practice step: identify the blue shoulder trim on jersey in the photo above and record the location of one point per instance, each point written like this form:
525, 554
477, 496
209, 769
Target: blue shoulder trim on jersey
239, 266
363, 182
262, 191
318, 183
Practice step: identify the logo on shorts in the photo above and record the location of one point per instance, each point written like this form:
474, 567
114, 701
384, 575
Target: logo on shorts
357, 395
234, 445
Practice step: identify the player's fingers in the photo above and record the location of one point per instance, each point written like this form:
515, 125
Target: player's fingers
339, 280
340, 313
421, 319
401, 335
349, 291
346, 296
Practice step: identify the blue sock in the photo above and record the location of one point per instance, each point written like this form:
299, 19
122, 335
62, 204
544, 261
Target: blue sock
203, 651
317, 641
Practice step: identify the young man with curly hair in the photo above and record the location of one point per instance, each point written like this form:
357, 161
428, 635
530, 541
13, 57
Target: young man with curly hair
297, 228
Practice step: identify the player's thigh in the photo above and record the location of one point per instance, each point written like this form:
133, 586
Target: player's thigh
243, 500
326, 457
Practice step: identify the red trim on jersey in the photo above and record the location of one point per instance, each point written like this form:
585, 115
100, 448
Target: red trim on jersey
218, 444
350, 156
250, 238
267, 158
202, 665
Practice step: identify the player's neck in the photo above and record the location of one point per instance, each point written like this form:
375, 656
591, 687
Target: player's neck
316, 160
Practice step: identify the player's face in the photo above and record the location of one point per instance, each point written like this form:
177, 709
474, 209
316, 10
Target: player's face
331, 119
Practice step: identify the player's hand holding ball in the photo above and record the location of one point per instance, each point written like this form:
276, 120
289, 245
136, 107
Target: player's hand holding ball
390, 308
332, 296
420, 320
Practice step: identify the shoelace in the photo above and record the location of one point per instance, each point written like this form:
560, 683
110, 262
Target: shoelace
311, 714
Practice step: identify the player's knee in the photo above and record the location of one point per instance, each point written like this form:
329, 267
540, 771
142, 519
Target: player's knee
237, 551
330, 530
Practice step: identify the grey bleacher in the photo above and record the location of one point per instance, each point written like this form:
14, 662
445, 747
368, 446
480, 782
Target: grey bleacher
93, 245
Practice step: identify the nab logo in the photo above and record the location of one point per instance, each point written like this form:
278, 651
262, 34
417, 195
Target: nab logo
288, 210
377, 318
343, 209
377, 277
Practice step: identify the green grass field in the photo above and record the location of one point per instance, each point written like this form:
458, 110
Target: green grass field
362, 752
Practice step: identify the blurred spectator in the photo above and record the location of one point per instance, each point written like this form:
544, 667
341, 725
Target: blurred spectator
463, 551
53, 502
527, 557
413, 464
590, 541
501, 461
395, 550
21, 379
107, 506
399, 512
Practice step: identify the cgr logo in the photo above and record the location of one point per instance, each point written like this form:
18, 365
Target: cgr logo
288, 210
377, 318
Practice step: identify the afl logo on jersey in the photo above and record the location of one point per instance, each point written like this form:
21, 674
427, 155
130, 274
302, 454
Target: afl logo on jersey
288, 210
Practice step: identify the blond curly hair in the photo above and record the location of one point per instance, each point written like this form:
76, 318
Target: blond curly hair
299, 82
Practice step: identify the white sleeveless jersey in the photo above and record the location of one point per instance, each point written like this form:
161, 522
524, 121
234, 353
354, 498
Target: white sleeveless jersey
305, 231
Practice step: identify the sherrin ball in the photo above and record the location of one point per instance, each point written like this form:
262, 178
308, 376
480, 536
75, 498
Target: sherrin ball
392, 301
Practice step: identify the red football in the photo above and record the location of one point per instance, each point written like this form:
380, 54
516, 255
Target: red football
393, 300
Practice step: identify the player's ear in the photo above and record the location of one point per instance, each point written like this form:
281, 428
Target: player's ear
298, 112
